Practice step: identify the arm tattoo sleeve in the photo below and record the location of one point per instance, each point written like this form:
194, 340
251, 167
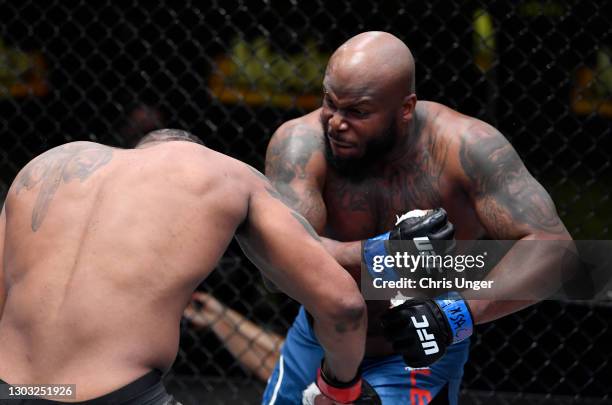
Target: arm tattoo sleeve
275, 194
286, 161
507, 193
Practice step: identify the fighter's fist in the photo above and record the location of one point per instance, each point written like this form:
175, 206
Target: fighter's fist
312, 396
421, 330
203, 310
432, 224
418, 226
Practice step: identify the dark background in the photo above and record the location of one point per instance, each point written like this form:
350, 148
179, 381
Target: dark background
106, 59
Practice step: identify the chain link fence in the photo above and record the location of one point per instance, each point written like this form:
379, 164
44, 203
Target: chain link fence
233, 71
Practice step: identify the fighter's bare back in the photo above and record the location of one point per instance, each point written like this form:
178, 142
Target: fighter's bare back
97, 288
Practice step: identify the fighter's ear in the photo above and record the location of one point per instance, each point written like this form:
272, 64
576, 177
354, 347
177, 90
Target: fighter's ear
408, 106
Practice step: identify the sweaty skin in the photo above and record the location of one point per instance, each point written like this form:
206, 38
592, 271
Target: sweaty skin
439, 158
103, 248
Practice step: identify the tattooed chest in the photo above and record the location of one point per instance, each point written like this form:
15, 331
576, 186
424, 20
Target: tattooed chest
361, 210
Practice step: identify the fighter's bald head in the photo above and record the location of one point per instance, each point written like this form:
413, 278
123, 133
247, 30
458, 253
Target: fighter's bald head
167, 135
373, 60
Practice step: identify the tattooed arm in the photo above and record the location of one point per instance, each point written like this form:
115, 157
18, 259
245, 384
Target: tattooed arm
512, 205
295, 163
286, 248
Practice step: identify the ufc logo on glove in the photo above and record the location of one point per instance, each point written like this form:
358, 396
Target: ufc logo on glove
428, 340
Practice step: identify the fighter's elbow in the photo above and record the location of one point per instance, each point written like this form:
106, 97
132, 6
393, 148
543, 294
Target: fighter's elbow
346, 313
559, 233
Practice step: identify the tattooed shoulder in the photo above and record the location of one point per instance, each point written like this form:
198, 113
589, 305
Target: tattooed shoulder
77, 160
289, 154
278, 196
483, 151
507, 193
290, 150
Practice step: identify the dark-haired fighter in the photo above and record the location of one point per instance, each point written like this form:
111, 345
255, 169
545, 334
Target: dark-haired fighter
102, 248
372, 151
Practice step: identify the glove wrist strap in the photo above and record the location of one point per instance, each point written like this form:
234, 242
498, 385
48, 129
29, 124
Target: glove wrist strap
458, 314
374, 247
345, 393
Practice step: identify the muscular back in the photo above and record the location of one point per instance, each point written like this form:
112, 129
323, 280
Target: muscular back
103, 248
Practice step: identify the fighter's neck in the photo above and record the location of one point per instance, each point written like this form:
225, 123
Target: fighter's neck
407, 145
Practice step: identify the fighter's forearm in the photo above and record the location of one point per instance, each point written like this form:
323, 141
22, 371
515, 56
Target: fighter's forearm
255, 348
347, 254
343, 345
233, 324
485, 311
531, 271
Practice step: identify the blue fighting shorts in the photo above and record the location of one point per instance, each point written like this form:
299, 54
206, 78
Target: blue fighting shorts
395, 383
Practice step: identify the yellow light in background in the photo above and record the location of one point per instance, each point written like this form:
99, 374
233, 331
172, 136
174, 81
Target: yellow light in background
592, 90
543, 8
253, 73
22, 74
484, 40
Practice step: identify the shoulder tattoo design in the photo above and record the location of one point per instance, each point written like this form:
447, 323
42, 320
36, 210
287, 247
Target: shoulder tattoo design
508, 191
286, 161
60, 165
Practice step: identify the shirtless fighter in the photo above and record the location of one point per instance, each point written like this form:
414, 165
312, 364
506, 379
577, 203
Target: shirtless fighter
101, 249
372, 151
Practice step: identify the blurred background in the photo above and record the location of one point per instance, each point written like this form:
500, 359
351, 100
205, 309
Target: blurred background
233, 71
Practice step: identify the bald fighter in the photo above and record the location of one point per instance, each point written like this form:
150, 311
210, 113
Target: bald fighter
372, 151
102, 248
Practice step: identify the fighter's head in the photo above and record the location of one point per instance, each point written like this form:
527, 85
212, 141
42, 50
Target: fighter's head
167, 135
368, 99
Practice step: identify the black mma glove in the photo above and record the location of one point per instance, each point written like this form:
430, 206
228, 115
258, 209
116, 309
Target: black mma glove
417, 226
432, 224
421, 330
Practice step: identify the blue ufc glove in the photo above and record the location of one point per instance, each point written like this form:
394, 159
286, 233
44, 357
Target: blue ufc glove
422, 330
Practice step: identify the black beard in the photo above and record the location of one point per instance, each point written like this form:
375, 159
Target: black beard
356, 169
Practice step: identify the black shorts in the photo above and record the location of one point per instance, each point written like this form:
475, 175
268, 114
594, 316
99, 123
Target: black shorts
147, 390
